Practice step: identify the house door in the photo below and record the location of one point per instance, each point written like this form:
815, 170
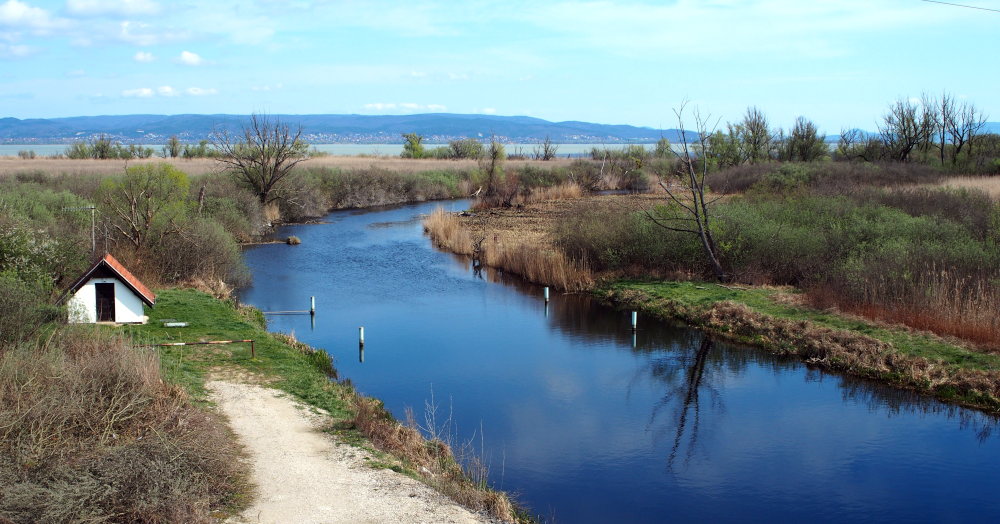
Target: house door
105, 302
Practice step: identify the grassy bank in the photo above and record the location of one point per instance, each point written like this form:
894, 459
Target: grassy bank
309, 375
774, 319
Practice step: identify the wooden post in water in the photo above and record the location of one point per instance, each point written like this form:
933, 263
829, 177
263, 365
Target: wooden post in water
635, 320
361, 336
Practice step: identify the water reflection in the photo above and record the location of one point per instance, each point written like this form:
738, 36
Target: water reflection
692, 366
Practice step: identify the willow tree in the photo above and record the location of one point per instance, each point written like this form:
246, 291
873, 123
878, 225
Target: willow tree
262, 155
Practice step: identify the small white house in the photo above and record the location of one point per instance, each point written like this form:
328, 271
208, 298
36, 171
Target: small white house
107, 292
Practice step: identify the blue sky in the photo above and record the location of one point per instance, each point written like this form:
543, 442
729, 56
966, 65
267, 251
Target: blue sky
838, 62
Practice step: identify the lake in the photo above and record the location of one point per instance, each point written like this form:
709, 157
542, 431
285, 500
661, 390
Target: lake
585, 422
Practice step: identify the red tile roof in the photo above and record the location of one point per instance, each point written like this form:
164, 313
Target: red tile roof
124, 275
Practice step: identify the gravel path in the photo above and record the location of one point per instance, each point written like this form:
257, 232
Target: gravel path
305, 476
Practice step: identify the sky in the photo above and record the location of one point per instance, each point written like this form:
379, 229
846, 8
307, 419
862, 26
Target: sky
838, 62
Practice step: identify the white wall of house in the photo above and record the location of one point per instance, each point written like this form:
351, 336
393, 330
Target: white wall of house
83, 304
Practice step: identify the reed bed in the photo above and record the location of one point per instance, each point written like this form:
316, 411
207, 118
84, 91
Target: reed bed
988, 185
937, 300
533, 261
202, 166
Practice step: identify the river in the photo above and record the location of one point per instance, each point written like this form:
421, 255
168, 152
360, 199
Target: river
585, 423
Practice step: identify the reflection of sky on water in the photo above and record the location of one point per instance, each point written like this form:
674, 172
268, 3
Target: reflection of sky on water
584, 426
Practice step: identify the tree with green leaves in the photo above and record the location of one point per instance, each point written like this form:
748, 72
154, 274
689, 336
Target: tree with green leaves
413, 146
146, 204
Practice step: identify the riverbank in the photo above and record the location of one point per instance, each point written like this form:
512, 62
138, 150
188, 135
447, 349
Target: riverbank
281, 364
776, 319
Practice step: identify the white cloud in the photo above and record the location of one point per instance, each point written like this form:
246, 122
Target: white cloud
191, 59
488, 110
275, 87
380, 106
199, 91
112, 7
167, 91
458, 76
142, 34
143, 56
23, 16
142, 92
14, 50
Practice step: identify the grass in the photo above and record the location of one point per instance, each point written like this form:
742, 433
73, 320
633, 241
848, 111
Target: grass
306, 373
771, 318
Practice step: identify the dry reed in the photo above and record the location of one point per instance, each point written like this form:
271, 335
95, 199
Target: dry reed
201, 166
988, 185
533, 261
936, 300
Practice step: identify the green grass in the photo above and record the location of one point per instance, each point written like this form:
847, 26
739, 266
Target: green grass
702, 295
295, 370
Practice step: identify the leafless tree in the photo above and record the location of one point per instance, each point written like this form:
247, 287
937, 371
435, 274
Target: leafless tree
902, 129
547, 150
965, 125
687, 209
262, 155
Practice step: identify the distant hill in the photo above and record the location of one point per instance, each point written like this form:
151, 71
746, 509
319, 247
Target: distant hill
992, 127
436, 127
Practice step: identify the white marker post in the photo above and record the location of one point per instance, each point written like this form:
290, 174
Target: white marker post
635, 320
312, 305
546, 294
361, 336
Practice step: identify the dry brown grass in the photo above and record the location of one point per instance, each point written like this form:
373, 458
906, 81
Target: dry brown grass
433, 458
200, 166
988, 185
528, 257
90, 432
565, 191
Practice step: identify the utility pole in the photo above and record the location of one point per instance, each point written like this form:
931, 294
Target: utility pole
93, 225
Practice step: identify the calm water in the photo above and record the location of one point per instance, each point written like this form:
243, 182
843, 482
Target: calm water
586, 424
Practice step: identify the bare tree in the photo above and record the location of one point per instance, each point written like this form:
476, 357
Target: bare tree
687, 210
263, 155
902, 129
963, 128
547, 151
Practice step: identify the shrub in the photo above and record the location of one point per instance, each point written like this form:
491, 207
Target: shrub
90, 432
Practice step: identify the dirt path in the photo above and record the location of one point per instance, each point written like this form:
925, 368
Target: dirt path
304, 475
